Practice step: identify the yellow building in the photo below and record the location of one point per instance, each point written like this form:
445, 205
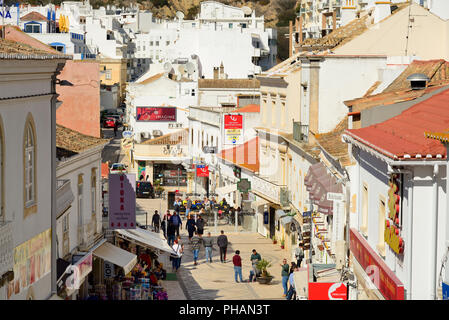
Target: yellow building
114, 71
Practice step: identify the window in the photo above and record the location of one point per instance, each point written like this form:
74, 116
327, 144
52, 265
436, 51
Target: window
80, 208
33, 28
58, 48
157, 43
29, 166
167, 43
364, 227
381, 231
108, 74
151, 43
93, 189
230, 26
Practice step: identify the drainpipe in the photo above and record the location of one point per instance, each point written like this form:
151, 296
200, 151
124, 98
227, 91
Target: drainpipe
434, 224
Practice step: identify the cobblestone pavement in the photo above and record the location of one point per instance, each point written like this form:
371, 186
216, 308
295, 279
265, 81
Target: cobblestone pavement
215, 281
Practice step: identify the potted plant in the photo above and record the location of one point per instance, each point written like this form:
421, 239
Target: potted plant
282, 243
274, 240
158, 189
265, 277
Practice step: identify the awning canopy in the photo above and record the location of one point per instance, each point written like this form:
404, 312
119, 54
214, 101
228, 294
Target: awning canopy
279, 214
117, 256
146, 238
286, 220
226, 189
319, 183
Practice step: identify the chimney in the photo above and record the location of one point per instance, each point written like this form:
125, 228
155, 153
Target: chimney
418, 81
221, 71
215, 73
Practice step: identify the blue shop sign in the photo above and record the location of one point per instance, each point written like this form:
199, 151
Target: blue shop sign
445, 291
307, 213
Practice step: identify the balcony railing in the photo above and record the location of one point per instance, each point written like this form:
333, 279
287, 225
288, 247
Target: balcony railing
300, 132
267, 188
6, 247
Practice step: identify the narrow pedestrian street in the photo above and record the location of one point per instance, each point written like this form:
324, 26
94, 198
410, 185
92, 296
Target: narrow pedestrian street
215, 281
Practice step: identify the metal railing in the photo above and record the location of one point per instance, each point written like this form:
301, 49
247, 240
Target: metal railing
300, 132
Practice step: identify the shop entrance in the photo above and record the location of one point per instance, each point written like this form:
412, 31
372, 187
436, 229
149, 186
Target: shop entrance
171, 200
272, 222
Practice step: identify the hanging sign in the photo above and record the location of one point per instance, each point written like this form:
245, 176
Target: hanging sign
202, 171
122, 201
233, 129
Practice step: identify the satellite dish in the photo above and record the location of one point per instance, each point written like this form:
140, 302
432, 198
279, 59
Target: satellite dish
167, 67
180, 15
181, 69
246, 10
190, 67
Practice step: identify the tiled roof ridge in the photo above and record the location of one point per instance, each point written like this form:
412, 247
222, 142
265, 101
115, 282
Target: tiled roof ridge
17, 50
152, 78
34, 15
76, 141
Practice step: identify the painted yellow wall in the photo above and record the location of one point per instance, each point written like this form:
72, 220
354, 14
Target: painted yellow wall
118, 69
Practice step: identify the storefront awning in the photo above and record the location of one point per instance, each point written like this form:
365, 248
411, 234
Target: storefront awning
286, 220
146, 238
279, 214
226, 189
117, 256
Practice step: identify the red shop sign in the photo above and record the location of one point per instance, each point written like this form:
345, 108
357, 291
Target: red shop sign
202, 171
383, 278
233, 121
328, 291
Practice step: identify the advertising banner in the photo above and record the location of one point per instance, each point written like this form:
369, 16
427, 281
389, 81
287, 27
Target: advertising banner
202, 171
32, 261
327, 291
79, 271
233, 129
163, 114
122, 201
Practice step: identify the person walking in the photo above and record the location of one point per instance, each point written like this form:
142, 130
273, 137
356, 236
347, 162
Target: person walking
207, 205
176, 220
291, 280
178, 248
255, 258
190, 226
237, 261
177, 205
299, 254
200, 225
155, 221
188, 206
285, 274
208, 244
196, 245
222, 243
171, 232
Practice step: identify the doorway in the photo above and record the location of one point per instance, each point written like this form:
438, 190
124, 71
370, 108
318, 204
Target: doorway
272, 222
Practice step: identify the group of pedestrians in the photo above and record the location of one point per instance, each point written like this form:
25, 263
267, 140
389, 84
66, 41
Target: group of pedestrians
287, 273
254, 272
197, 241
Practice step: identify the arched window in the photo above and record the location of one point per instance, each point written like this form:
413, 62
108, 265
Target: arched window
29, 165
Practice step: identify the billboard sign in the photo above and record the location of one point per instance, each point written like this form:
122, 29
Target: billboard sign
162, 114
233, 129
122, 201
328, 291
202, 171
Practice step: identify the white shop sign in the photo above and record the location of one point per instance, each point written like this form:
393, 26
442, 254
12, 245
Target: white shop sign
266, 188
108, 269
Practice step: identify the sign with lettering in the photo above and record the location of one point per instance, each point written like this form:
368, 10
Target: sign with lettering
233, 129
122, 201
328, 291
381, 276
202, 171
393, 224
161, 114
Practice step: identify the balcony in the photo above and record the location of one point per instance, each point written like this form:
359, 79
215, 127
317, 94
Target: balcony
6, 247
300, 132
87, 235
267, 189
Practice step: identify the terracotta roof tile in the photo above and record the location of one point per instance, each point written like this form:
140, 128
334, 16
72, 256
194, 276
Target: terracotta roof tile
332, 143
17, 50
436, 70
228, 83
152, 78
404, 135
248, 108
34, 16
70, 142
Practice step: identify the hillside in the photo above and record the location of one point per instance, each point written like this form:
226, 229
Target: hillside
277, 13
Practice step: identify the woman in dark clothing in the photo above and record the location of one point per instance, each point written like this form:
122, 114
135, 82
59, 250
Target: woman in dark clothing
171, 232
190, 226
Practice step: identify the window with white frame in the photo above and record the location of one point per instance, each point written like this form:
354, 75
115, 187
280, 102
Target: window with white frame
30, 183
108, 74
